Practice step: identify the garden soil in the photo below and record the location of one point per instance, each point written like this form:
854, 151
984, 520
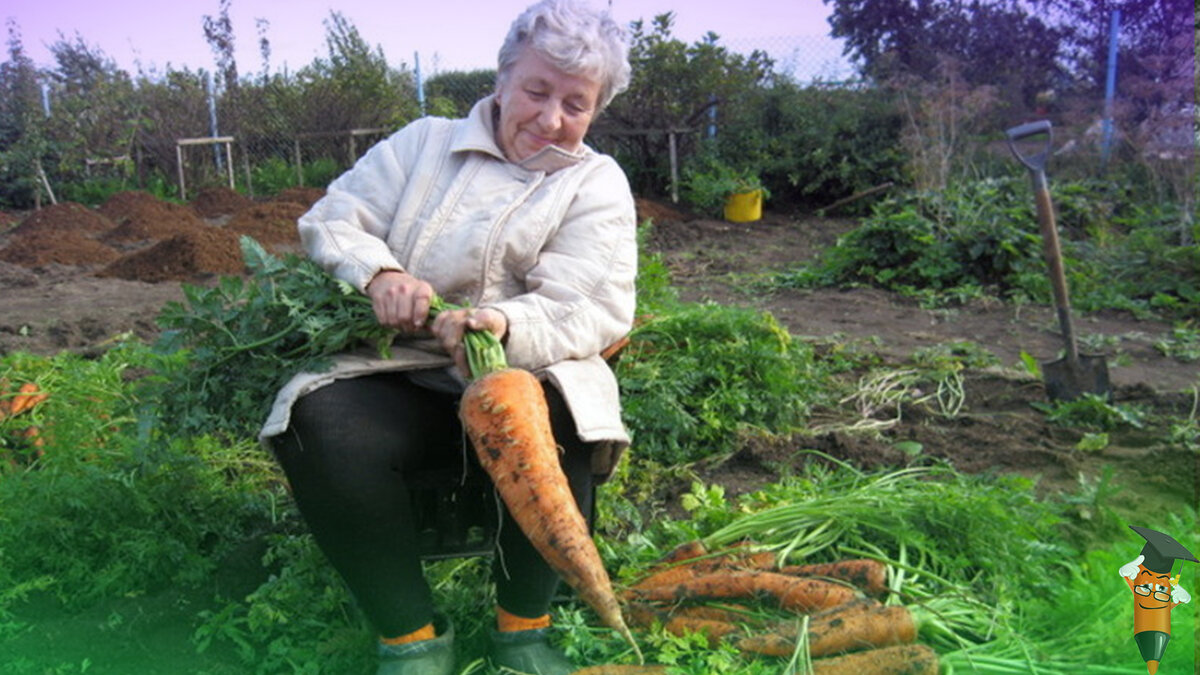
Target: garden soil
73, 291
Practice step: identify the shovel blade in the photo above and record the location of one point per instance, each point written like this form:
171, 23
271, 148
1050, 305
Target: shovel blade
1066, 381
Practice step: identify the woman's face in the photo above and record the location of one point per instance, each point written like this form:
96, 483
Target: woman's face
541, 105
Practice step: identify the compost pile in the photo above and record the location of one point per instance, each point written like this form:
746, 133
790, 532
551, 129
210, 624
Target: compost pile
219, 202
63, 234
139, 237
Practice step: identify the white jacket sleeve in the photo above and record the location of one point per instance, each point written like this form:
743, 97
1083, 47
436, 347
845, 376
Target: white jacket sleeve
346, 232
580, 293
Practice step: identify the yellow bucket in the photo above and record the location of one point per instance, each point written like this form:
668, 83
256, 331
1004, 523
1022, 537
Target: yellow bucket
744, 207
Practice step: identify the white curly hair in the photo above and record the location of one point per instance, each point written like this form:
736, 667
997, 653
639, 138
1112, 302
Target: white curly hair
574, 37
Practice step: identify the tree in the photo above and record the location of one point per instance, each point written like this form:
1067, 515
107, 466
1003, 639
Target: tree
218, 32
93, 111
22, 139
995, 42
675, 86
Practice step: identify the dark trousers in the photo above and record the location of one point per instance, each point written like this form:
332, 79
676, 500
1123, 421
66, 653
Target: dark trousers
346, 454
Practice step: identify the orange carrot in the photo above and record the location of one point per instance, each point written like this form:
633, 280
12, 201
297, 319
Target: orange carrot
504, 413
684, 551
680, 623
670, 574
26, 397
792, 593
868, 575
842, 632
899, 660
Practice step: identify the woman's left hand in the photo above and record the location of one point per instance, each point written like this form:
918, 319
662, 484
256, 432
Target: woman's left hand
450, 325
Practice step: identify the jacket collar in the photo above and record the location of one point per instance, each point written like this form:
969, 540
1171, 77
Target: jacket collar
477, 133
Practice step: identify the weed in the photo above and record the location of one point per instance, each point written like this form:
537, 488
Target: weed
1092, 412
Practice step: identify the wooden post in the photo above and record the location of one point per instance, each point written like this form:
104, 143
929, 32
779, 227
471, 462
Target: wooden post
229, 162
674, 167
179, 163
299, 166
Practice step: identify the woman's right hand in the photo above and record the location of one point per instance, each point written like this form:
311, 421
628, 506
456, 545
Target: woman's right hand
400, 300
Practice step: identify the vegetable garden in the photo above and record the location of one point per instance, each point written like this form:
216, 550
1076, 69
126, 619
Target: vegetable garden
842, 446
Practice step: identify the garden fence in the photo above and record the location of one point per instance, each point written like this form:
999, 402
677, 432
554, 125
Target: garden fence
264, 139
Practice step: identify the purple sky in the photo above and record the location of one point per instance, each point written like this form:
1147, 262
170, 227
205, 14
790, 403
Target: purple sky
448, 34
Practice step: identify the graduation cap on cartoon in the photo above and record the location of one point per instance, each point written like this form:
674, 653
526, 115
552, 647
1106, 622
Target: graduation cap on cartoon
1161, 550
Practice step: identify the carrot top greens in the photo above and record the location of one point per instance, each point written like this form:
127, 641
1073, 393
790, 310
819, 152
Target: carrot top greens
225, 350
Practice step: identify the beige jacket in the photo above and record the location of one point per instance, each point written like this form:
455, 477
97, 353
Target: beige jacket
550, 242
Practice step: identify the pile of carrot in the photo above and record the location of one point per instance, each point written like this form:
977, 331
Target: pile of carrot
848, 629
24, 443
504, 413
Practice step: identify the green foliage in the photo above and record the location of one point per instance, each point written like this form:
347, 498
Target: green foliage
674, 85
972, 236
654, 290
274, 175
107, 512
708, 182
693, 377
1093, 412
458, 91
981, 235
301, 620
814, 145
232, 346
1182, 345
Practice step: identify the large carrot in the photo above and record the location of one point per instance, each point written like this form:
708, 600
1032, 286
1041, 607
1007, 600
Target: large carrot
674, 573
792, 593
505, 415
900, 660
842, 632
868, 575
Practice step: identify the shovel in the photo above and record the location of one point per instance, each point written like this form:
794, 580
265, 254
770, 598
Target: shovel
1075, 374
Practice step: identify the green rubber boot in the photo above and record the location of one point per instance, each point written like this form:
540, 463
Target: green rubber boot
527, 652
427, 657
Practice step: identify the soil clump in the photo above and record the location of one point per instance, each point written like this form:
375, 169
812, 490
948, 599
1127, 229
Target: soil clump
37, 247
305, 196
142, 218
272, 224
183, 257
218, 202
65, 217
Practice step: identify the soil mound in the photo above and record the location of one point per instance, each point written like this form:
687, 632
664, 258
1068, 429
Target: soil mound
658, 212
300, 195
65, 217
37, 247
143, 217
183, 257
272, 223
218, 202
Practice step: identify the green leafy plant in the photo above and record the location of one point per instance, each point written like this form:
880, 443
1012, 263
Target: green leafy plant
694, 376
234, 344
1093, 412
711, 181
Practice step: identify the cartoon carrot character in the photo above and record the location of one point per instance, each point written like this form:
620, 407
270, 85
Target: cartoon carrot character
1155, 594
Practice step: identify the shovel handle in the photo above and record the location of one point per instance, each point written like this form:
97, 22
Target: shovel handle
1036, 161
1051, 250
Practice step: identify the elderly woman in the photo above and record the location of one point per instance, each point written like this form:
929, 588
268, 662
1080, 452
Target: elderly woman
509, 213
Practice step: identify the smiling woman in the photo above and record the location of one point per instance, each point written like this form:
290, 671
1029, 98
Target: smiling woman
531, 234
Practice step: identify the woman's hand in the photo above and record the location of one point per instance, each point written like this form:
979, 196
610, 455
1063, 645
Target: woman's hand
450, 325
400, 300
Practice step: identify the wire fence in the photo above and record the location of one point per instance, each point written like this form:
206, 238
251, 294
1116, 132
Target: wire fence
267, 137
